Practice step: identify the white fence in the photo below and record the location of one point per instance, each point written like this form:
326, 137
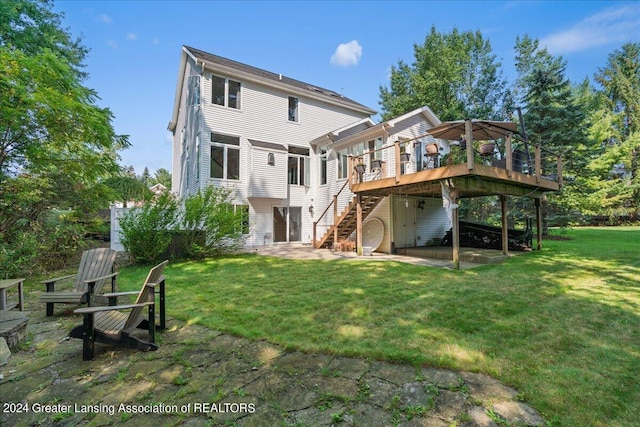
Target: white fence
116, 214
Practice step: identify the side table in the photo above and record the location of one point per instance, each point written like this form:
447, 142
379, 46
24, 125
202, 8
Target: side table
5, 284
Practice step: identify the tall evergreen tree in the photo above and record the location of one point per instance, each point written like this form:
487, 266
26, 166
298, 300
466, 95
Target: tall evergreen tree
552, 117
620, 81
146, 177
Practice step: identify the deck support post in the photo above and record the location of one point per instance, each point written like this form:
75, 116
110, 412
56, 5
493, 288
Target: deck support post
538, 163
468, 127
359, 226
315, 235
508, 155
538, 224
397, 156
505, 228
455, 230
335, 221
350, 172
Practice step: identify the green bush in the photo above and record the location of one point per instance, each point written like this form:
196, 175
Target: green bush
146, 231
211, 224
61, 238
208, 224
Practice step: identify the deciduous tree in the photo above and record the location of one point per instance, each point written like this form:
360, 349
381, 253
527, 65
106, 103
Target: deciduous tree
455, 74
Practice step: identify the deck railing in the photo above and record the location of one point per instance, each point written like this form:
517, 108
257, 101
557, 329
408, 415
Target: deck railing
334, 204
394, 161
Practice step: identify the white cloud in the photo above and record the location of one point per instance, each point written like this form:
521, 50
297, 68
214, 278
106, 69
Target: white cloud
132, 36
155, 41
612, 25
347, 54
104, 18
112, 44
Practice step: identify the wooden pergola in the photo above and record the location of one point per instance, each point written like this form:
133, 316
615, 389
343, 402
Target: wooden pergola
469, 179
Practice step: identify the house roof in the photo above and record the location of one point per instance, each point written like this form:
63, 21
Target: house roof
387, 126
248, 72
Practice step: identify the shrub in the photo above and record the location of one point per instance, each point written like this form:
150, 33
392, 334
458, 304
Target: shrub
211, 224
146, 231
208, 224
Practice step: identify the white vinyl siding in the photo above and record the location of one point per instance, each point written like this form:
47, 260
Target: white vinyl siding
432, 221
268, 180
252, 111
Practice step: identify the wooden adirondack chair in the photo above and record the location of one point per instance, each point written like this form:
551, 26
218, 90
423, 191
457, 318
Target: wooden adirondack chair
96, 267
115, 324
115, 297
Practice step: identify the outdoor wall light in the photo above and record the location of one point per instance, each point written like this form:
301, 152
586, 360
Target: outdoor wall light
311, 210
271, 159
361, 168
376, 164
404, 157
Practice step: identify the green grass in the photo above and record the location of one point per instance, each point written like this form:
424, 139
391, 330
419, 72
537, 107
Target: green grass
561, 325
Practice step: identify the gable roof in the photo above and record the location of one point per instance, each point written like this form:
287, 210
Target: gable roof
247, 72
387, 126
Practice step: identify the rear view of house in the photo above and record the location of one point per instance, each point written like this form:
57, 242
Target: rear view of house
281, 144
309, 165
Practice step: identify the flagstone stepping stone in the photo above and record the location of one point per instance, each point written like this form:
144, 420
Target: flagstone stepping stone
13, 327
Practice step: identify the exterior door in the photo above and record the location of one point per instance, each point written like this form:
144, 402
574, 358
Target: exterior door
404, 222
279, 224
287, 224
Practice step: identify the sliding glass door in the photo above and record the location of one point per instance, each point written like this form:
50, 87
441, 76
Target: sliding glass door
287, 224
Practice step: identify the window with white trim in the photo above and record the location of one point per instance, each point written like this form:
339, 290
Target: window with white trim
298, 166
343, 158
243, 212
375, 149
293, 109
198, 157
323, 165
225, 92
225, 156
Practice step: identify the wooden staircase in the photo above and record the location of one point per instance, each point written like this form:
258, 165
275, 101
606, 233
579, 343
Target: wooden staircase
347, 221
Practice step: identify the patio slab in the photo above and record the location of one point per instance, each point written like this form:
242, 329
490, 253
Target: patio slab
221, 379
416, 256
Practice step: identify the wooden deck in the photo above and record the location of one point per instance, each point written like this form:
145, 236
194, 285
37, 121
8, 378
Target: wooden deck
482, 180
475, 177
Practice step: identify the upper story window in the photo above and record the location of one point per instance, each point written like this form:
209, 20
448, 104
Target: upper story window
323, 165
298, 166
343, 158
225, 156
198, 157
225, 92
375, 149
193, 90
293, 109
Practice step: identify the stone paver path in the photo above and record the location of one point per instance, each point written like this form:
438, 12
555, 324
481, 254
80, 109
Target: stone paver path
202, 377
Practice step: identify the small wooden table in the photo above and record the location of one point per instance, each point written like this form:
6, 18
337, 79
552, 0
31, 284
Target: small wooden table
5, 284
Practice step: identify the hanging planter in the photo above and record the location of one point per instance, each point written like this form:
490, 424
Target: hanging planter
487, 149
431, 150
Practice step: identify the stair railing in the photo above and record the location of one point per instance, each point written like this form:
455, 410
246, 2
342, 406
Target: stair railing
333, 203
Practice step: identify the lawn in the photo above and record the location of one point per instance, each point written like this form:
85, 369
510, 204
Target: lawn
561, 325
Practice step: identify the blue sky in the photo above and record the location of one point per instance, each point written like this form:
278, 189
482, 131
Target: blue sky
348, 47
